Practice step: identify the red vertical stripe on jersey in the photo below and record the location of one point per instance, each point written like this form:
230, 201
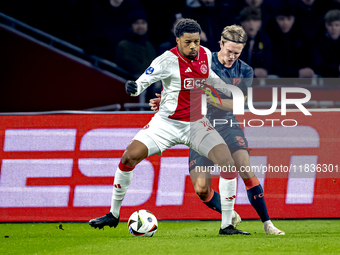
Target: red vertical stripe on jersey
192, 73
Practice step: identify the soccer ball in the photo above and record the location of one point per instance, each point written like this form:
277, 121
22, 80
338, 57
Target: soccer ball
142, 223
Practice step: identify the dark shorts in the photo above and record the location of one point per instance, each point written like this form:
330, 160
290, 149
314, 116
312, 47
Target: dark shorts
234, 138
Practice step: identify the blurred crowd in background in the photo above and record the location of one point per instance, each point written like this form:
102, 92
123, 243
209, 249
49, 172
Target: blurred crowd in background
286, 38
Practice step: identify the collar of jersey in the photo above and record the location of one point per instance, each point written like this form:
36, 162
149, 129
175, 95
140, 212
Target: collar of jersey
186, 59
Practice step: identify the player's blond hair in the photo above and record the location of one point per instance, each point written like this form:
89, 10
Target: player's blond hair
234, 33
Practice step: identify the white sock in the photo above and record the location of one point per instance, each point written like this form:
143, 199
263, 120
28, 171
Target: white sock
227, 215
120, 186
228, 194
115, 207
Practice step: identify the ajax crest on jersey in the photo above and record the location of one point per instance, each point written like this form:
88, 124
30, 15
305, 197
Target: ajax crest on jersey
204, 68
142, 223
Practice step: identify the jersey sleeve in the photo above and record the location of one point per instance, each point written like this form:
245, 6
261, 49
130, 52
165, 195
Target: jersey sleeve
158, 70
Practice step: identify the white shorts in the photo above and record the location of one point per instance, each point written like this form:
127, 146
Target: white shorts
162, 133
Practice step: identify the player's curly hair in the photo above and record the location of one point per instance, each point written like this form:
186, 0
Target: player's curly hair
187, 26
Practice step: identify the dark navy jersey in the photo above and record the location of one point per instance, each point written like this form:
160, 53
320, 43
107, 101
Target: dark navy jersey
239, 74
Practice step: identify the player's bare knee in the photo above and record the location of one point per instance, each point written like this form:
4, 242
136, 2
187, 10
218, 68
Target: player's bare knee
134, 153
131, 158
242, 162
128, 160
228, 163
221, 156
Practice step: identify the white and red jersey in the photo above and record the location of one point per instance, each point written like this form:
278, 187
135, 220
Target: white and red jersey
181, 77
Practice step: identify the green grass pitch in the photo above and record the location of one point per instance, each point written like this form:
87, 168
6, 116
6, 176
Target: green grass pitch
183, 237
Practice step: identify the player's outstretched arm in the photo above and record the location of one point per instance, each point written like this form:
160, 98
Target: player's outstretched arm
131, 87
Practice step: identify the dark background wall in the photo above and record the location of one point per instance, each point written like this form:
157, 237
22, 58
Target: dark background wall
34, 78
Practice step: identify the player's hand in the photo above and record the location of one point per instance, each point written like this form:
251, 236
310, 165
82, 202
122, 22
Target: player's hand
210, 100
154, 103
130, 87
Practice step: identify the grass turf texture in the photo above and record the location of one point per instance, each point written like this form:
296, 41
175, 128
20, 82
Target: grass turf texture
196, 237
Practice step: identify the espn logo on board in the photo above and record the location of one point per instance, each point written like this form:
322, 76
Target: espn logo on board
61, 168
16, 172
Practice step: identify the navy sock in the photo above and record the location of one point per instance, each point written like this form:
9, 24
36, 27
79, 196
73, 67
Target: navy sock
256, 199
215, 202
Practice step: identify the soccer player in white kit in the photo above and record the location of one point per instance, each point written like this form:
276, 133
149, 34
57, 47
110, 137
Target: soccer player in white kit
183, 70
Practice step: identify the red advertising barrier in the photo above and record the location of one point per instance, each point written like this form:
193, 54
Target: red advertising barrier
61, 168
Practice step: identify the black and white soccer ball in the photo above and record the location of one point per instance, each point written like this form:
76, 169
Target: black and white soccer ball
142, 223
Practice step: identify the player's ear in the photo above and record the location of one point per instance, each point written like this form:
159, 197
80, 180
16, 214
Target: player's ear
177, 40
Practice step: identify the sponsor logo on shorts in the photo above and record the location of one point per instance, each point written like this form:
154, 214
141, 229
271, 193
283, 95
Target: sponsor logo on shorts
192, 163
240, 141
146, 127
206, 123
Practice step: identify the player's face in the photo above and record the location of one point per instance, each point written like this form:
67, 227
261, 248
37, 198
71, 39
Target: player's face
230, 51
285, 22
333, 29
188, 44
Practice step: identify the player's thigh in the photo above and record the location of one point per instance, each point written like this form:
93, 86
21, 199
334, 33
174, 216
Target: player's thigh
200, 167
238, 146
221, 156
234, 138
